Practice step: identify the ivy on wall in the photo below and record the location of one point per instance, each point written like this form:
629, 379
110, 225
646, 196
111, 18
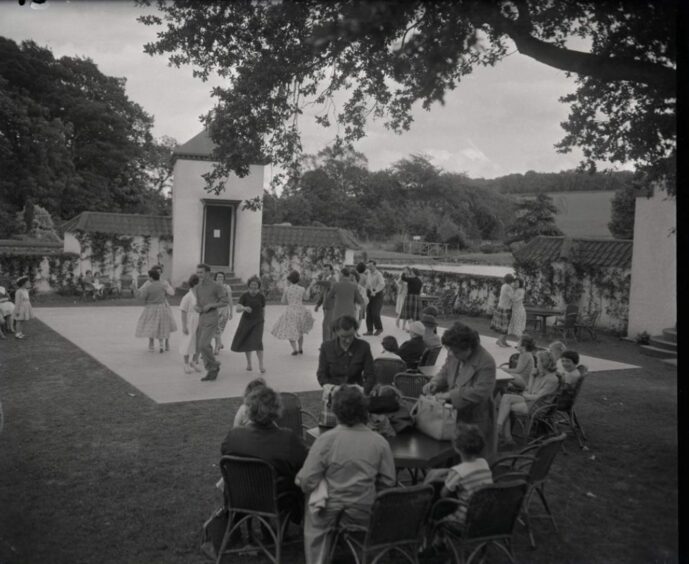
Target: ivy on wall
107, 251
60, 267
277, 261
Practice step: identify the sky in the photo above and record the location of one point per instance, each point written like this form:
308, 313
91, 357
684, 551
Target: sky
500, 120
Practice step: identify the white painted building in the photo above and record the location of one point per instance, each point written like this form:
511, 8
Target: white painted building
653, 294
211, 228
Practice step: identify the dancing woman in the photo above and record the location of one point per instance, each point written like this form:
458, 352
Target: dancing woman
518, 316
190, 323
296, 320
156, 321
224, 313
502, 314
249, 334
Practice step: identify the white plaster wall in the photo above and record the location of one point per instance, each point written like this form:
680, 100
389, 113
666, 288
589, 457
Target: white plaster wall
187, 218
71, 244
653, 296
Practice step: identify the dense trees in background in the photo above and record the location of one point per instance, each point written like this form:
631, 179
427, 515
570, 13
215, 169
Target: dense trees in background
384, 57
565, 181
533, 217
71, 140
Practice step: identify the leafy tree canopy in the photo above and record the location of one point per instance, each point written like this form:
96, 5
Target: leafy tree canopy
279, 56
71, 140
533, 217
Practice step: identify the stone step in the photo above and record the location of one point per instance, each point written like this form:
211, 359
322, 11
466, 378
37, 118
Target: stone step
670, 335
670, 361
661, 343
648, 350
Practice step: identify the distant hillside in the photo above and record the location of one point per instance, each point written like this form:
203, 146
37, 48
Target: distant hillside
566, 181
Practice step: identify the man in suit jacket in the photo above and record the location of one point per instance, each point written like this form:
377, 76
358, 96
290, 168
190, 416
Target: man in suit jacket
467, 380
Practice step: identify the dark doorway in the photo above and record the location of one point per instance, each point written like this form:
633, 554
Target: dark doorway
217, 246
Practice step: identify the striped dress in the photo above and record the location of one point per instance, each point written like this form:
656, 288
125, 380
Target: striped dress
501, 317
464, 479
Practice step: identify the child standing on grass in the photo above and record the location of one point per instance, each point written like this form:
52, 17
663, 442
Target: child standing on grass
6, 312
22, 306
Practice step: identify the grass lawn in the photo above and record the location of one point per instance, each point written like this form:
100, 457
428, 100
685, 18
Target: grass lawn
93, 471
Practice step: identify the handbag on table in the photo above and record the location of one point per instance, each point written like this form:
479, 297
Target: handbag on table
435, 418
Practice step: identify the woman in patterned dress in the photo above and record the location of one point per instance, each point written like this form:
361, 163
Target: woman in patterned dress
518, 317
190, 322
249, 335
502, 314
224, 313
296, 320
401, 295
156, 320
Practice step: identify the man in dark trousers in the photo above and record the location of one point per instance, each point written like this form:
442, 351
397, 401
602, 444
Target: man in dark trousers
375, 284
210, 296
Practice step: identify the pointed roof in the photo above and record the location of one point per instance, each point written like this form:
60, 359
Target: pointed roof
585, 251
200, 148
120, 224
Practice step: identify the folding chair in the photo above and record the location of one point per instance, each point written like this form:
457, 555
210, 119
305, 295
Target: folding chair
386, 368
490, 520
293, 415
397, 517
251, 492
535, 461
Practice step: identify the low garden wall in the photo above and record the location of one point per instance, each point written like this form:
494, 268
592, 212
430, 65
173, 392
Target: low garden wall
48, 273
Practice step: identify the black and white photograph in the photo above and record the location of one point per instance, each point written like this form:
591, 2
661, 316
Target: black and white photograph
344, 281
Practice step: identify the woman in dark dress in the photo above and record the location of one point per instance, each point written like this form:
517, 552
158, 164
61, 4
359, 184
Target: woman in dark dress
411, 310
249, 334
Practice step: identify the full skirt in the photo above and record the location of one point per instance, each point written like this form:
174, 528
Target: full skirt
23, 312
295, 321
249, 335
412, 307
187, 345
399, 304
156, 322
517, 321
501, 319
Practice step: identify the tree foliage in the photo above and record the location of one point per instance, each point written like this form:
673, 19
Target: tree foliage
533, 217
277, 57
624, 206
70, 138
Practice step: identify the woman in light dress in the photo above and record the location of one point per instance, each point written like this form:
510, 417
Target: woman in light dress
156, 321
190, 322
401, 294
518, 317
296, 320
224, 313
22, 306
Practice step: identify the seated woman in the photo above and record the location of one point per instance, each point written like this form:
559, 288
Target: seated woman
556, 348
412, 350
347, 466
262, 438
346, 359
542, 382
525, 365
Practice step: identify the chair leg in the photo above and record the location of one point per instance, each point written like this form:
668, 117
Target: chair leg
527, 518
225, 538
578, 430
480, 548
507, 549
541, 494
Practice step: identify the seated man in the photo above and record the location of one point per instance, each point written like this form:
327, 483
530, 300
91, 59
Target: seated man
567, 369
412, 350
346, 359
543, 382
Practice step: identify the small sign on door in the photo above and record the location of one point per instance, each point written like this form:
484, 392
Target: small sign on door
216, 233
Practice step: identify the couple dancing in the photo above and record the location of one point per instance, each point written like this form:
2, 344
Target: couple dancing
510, 315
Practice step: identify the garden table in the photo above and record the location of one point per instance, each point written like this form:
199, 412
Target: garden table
543, 313
411, 449
427, 300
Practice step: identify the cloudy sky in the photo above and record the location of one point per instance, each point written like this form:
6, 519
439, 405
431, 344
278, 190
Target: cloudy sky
500, 120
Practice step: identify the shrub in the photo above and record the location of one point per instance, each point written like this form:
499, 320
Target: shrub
643, 338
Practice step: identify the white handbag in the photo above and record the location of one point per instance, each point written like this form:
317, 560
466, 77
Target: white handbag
435, 418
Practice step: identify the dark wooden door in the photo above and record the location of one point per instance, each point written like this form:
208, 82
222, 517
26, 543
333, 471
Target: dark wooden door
218, 236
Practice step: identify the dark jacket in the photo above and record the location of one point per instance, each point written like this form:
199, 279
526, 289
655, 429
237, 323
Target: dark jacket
412, 350
353, 366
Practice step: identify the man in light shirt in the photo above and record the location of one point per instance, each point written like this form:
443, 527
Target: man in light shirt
375, 284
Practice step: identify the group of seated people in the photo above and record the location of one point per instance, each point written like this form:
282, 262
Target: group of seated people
338, 478
537, 374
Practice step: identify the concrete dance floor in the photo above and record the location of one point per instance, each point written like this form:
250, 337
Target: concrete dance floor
107, 334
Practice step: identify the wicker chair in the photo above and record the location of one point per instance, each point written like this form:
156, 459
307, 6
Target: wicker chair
490, 520
397, 517
410, 384
565, 414
293, 415
567, 325
386, 368
535, 461
430, 356
127, 285
587, 323
251, 493
539, 419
